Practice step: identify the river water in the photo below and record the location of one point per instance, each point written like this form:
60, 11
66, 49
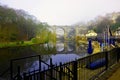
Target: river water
59, 52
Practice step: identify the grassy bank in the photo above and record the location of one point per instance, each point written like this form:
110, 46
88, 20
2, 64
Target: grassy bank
16, 44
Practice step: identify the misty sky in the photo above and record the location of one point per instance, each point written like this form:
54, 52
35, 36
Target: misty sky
64, 12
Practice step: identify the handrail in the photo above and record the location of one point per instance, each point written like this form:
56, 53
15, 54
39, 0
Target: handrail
24, 57
45, 63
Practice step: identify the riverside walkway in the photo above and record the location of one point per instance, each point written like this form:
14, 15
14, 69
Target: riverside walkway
115, 75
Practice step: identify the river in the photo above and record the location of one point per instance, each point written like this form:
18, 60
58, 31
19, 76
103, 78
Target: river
59, 52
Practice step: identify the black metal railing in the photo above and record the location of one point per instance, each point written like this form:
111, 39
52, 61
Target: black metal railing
13, 69
5, 72
87, 68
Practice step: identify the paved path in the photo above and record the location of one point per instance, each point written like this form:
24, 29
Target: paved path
115, 75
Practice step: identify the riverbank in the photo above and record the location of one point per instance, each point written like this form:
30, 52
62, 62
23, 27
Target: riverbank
17, 44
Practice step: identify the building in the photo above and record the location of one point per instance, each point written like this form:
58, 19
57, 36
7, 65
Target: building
91, 33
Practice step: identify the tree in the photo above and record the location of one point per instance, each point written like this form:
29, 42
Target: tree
19, 25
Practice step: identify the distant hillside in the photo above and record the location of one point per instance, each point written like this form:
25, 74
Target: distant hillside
100, 22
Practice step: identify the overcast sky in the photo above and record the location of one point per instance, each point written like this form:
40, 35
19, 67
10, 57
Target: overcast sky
64, 12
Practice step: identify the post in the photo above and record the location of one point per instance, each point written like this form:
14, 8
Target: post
60, 72
51, 67
24, 76
75, 70
106, 59
11, 69
18, 76
40, 76
118, 54
39, 63
34, 74
69, 72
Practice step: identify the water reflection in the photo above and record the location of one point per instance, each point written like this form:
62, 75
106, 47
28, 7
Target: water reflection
56, 59
60, 46
65, 46
59, 52
71, 46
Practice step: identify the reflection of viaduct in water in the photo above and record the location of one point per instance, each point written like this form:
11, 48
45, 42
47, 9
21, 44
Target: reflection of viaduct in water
68, 35
65, 47
70, 47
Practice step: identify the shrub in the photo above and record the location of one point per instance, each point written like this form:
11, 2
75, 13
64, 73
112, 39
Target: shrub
17, 43
35, 40
22, 42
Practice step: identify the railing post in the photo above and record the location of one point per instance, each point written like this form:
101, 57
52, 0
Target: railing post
11, 69
118, 55
34, 74
18, 76
75, 70
51, 67
40, 76
24, 76
69, 72
106, 59
60, 72
39, 63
